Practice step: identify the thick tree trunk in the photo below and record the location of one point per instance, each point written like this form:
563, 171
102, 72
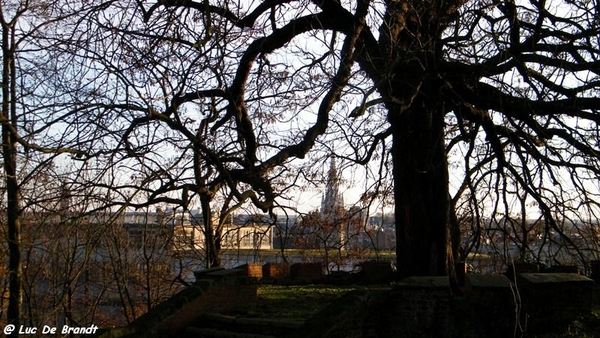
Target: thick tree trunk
409, 41
421, 191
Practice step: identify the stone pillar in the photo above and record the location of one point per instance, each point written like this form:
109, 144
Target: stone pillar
595, 270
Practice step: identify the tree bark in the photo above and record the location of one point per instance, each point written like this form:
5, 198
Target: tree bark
212, 240
14, 231
409, 42
421, 191
9, 152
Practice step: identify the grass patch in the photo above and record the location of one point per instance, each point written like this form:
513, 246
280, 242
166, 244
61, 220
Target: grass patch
294, 301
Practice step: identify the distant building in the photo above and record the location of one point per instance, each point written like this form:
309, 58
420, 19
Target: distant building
381, 232
248, 232
187, 232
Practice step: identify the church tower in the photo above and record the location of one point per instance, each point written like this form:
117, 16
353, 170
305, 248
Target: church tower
332, 201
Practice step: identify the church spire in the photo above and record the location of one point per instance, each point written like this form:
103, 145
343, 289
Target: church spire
332, 201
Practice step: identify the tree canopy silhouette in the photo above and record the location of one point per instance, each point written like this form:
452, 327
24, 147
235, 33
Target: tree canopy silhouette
504, 91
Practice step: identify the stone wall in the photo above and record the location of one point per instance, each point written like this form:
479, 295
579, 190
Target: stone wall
218, 290
488, 307
552, 300
420, 307
219, 297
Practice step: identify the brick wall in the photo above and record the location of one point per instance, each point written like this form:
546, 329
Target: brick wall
276, 270
254, 270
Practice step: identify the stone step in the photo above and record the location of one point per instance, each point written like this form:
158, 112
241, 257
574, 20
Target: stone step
216, 333
291, 324
219, 325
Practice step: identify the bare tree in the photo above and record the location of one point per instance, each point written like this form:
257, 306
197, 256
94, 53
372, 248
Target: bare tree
159, 148
334, 236
510, 86
59, 246
35, 106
